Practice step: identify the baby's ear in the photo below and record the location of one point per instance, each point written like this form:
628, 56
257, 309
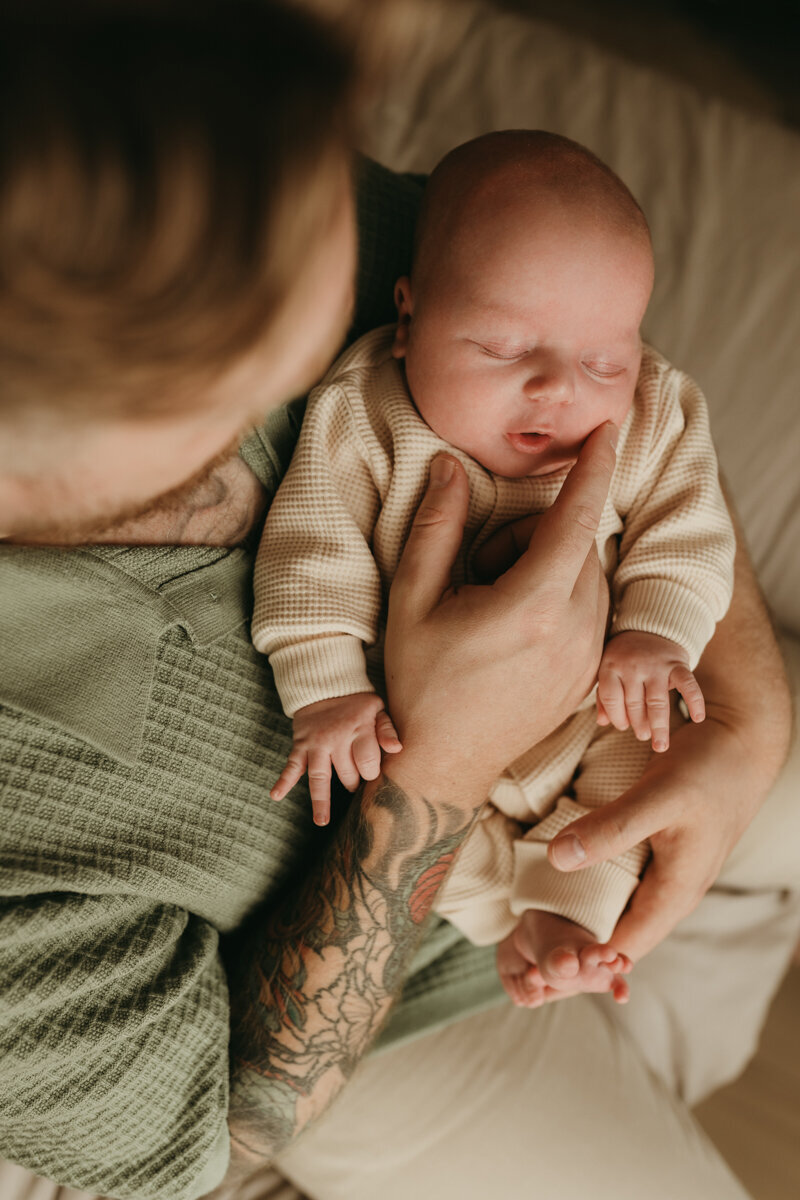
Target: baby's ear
402, 298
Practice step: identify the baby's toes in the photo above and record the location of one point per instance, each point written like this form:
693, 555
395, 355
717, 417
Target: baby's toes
560, 965
598, 954
534, 988
620, 990
515, 989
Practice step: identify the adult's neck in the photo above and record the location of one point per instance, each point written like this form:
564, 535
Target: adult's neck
220, 510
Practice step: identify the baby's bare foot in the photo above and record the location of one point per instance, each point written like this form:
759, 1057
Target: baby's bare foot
569, 958
521, 979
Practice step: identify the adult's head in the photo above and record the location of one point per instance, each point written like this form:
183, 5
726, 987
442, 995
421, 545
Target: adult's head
176, 240
520, 322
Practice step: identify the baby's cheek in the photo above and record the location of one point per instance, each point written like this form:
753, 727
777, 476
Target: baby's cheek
621, 408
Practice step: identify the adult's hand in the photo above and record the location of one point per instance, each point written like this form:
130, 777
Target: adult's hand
695, 801
475, 677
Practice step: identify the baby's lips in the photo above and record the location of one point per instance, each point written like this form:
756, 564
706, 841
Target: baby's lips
530, 442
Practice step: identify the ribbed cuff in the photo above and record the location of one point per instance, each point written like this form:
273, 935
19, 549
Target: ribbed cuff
319, 669
668, 610
483, 924
594, 897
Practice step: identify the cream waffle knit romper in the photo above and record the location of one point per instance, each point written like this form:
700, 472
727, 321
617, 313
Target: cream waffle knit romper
334, 535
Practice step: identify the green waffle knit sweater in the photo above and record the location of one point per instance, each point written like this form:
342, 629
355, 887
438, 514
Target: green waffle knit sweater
139, 736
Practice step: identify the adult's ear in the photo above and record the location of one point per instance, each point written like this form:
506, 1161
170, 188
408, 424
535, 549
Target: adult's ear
405, 306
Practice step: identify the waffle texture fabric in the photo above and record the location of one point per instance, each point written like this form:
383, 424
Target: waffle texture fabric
335, 533
140, 734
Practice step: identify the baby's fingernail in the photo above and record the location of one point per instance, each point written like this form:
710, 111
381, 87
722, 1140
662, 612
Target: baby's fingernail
613, 433
659, 744
568, 852
441, 471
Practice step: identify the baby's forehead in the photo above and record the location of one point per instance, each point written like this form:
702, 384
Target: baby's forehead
514, 183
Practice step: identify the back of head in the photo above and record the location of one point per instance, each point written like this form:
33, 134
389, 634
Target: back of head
164, 167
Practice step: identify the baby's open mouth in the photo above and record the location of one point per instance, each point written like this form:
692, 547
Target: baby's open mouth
530, 443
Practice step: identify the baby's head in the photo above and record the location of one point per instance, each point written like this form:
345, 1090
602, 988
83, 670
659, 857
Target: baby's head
519, 324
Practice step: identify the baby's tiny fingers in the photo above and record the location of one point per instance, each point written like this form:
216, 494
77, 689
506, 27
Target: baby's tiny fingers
602, 716
612, 698
367, 755
319, 784
657, 700
684, 682
346, 769
387, 734
636, 708
294, 770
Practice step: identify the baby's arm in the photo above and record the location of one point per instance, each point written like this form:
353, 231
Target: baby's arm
674, 576
318, 598
637, 673
346, 733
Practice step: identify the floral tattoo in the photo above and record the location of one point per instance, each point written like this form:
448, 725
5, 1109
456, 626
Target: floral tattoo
310, 992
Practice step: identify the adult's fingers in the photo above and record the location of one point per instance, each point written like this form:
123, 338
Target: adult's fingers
504, 547
611, 830
662, 899
424, 571
566, 531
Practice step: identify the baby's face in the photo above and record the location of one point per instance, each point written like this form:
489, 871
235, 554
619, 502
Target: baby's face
527, 341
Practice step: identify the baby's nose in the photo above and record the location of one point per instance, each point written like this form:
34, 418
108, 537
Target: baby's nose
549, 383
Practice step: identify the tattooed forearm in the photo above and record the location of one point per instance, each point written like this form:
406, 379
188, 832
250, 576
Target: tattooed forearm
310, 991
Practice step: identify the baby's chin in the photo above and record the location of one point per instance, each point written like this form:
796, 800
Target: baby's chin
559, 465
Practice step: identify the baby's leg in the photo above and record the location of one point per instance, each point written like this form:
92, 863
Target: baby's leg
593, 899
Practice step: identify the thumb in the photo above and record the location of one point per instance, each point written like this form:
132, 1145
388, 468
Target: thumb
423, 573
604, 833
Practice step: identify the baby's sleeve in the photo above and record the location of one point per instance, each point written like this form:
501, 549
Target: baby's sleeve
674, 576
318, 591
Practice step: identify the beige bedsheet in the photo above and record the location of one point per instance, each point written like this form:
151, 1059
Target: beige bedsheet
722, 192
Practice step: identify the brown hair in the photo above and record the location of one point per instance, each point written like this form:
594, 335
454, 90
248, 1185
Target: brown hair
164, 167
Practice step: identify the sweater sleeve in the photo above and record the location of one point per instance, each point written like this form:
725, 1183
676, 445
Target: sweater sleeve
317, 587
675, 572
113, 1045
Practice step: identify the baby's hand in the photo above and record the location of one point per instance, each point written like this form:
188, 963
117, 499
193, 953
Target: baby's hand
346, 733
637, 672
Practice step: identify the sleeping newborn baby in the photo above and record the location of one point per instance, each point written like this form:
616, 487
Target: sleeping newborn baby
517, 335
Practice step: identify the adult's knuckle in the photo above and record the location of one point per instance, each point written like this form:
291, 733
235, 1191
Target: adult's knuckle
429, 517
616, 830
585, 518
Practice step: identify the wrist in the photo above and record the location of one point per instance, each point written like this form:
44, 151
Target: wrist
427, 771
